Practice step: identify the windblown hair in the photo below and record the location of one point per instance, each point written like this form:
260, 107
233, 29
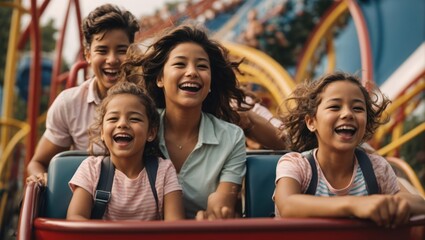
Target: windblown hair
224, 85
306, 98
126, 87
108, 17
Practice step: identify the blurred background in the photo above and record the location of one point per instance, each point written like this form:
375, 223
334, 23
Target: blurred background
284, 42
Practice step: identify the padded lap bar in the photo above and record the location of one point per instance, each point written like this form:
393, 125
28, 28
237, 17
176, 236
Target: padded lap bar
58, 194
259, 185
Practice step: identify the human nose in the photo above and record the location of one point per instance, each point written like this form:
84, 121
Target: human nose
191, 71
347, 113
112, 58
122, 123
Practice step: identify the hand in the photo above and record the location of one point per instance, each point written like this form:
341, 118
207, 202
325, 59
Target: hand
40, 179
384, 210
221, 213
219, 207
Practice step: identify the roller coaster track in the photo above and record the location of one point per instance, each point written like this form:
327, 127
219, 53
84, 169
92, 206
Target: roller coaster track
257, 67
261, 68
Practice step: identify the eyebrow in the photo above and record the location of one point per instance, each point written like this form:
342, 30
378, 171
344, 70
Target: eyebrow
104, 46
133, 112
339, 100
199, 59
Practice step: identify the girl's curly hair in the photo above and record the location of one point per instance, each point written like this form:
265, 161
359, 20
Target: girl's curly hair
126, 87
304, 102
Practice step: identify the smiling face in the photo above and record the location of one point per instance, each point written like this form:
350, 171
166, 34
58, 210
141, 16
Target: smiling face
186, 77
340, 120
107, 52
125, 127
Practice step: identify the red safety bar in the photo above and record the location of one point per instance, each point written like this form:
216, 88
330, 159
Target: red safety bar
33, 227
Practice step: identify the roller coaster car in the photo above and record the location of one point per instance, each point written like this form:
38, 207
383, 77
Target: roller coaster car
43, 214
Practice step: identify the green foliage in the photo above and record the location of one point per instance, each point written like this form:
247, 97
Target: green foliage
414, 151
5, 19
47, 33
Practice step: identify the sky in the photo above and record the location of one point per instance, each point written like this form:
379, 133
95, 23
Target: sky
57, 9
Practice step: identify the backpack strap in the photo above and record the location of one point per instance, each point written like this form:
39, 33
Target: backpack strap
311, 190
151, 165
364, 163
368, 173
103, 189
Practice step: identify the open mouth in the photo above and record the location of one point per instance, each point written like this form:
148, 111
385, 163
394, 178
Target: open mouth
190, 87
111, 73
123, 138
345, 130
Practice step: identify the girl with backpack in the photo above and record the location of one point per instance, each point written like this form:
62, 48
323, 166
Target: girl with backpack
331, 117
126, 126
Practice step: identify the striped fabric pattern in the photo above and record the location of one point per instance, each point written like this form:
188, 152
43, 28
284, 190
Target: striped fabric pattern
131, 199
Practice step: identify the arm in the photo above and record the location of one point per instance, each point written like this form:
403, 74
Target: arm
261, 130
37, 168
415, 201
385, 210
173, 206
80, 205
221, 203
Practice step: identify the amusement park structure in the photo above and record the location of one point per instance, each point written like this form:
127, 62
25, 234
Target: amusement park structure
376, 42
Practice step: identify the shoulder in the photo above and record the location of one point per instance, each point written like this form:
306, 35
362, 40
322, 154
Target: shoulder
75, 93
218, 124
293, 157
92, 162
381, 166
378, 161
89, 167
385, 175
164, 163
294, 165
293, 162
166, 168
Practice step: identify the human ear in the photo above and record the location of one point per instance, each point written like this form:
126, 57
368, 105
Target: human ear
101, 135
152, 135
160, 82
309, 121
87, 55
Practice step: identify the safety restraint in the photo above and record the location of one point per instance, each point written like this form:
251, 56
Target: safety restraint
365, 166
106, 179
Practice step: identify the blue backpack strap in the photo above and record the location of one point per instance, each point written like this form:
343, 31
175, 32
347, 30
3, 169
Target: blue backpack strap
311, 190
103, 189
151, 165
368, 173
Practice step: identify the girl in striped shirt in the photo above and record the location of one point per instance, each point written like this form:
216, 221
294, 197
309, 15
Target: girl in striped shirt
331, 117
126, 126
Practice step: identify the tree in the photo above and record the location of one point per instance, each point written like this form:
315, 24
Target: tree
48, 41
5, 19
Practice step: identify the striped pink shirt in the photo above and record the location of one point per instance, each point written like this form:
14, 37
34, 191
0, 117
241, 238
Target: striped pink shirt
131, 199
296, 166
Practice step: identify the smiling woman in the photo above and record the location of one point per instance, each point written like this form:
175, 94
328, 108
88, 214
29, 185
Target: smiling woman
193, 83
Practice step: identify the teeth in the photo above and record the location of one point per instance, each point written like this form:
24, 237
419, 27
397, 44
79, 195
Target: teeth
122, 135
346, 128
190, 85
110, 71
